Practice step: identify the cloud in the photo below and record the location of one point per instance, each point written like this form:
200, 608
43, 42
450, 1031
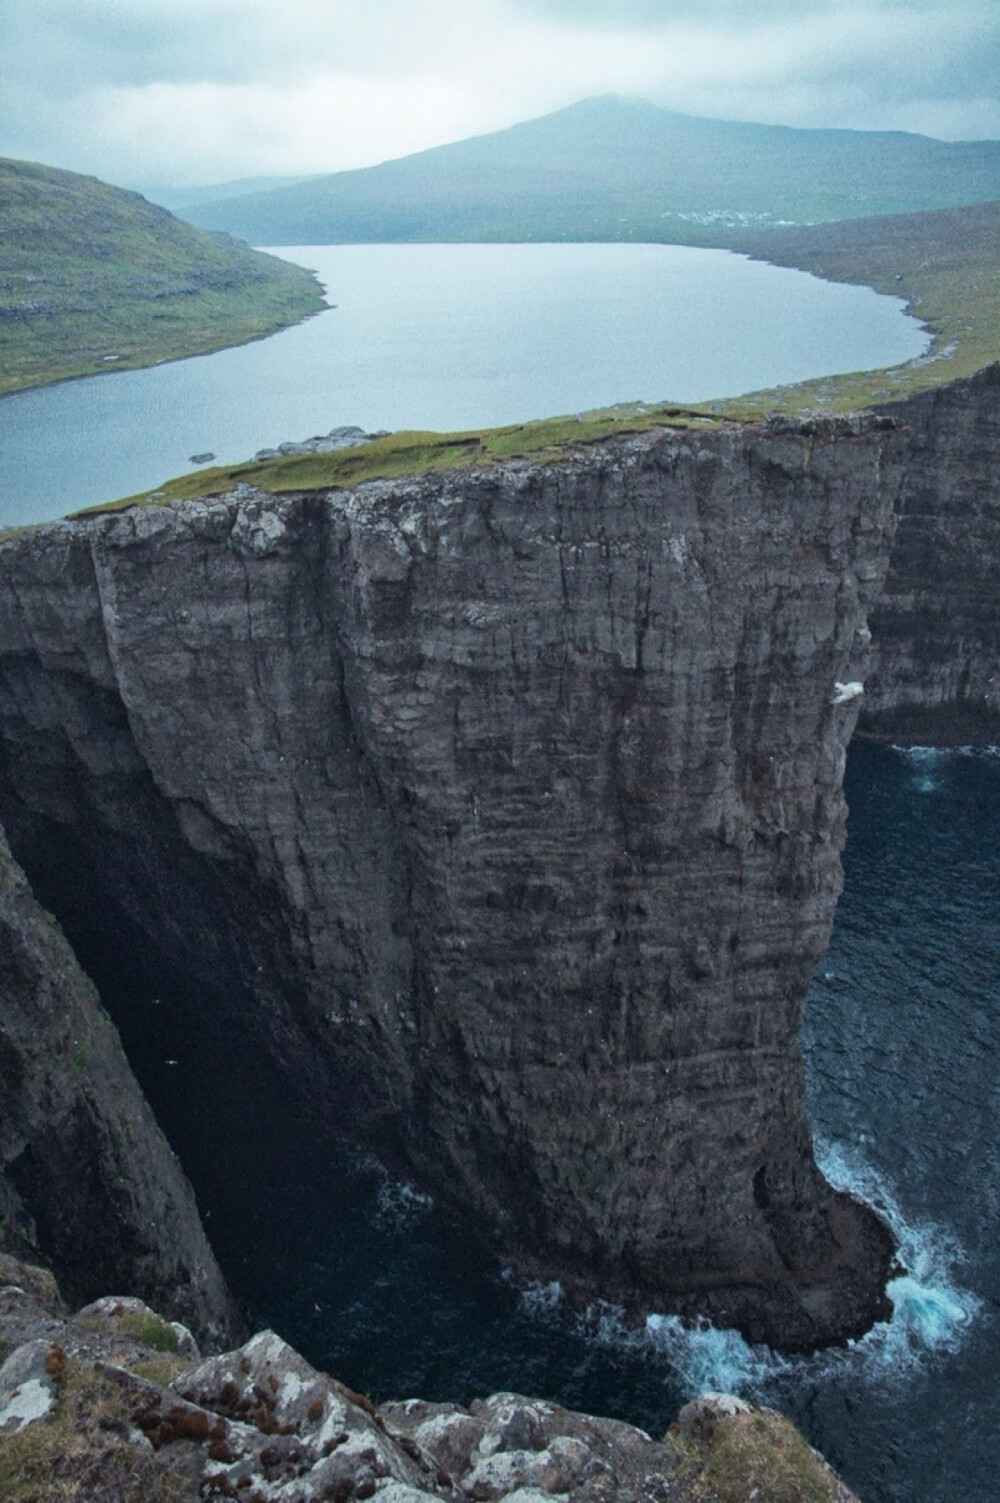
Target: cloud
200, 90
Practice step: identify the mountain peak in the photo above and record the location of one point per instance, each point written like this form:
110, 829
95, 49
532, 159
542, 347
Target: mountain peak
614, 167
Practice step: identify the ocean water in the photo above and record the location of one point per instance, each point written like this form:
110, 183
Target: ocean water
449, 337
902, 1039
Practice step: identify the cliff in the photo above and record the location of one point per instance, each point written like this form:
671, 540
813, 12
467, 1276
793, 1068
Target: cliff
86, 1176
500, 812
935, 673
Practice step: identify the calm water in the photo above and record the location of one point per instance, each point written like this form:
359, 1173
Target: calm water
902, 1041
449, 337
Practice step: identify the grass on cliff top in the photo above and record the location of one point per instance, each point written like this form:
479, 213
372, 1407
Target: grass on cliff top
93, 278
82, 1451
945, 265
757, 1455
407, 454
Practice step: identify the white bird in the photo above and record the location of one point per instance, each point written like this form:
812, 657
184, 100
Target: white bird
844, 693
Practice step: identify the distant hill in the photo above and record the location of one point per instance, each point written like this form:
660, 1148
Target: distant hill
618, 169
178, 198
93, 278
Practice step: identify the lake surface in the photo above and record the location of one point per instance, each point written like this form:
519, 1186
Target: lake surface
449, 337
901, 1041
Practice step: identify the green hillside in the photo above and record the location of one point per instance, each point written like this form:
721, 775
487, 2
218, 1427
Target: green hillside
619, 169
945, 265
93, 278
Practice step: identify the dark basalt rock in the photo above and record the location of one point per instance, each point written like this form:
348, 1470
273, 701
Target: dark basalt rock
936, 629
503, 810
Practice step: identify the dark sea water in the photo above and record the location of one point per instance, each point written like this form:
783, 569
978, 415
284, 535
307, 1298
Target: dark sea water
902, 1041
449, 337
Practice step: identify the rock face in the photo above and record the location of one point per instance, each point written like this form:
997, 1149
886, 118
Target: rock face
134, 1414
86, 1176
503, 810
936, 629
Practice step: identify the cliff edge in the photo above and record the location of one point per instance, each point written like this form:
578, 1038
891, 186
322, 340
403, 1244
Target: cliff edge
935, 673
501, 810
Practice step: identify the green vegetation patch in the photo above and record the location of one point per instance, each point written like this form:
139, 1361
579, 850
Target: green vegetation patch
162, 1370
93, 278
407, 454
80, 1452
759, 1455
150, 1329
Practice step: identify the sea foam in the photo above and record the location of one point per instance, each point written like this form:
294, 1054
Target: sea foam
931, 1313
930, 1309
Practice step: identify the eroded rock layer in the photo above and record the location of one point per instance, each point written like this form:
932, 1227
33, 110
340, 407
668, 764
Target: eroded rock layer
936, 629
503, 809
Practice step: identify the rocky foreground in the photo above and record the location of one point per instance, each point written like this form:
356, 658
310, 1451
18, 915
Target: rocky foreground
114, 1403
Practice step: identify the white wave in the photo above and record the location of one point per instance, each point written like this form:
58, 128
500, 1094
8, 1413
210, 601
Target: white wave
931, 1314
925, 762
540, 1300
930, 1310
709, 1358
398, 1205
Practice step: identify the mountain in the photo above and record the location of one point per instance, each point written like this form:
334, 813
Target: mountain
618, 169
94, 278
179, 196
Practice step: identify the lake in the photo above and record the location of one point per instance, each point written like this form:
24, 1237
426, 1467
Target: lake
449, 337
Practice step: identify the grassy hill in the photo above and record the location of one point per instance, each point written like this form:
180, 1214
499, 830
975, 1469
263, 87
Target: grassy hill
618, 169
946, 265
93, 278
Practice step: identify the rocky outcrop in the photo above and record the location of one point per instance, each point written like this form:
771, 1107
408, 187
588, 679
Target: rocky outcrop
86, 1176
936, 629
503, 811
131, 1412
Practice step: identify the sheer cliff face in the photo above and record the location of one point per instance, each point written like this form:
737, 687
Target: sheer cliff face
503, 810
936, 649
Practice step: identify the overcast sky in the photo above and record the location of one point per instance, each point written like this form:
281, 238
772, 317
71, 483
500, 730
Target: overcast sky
199, 91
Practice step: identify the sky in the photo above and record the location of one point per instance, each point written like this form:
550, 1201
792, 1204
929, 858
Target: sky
204, 91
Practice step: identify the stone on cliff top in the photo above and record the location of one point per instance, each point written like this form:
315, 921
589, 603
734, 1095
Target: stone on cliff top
27, 1386
327, 443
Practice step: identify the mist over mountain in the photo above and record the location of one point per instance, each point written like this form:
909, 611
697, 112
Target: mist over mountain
613, 168
181, 197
